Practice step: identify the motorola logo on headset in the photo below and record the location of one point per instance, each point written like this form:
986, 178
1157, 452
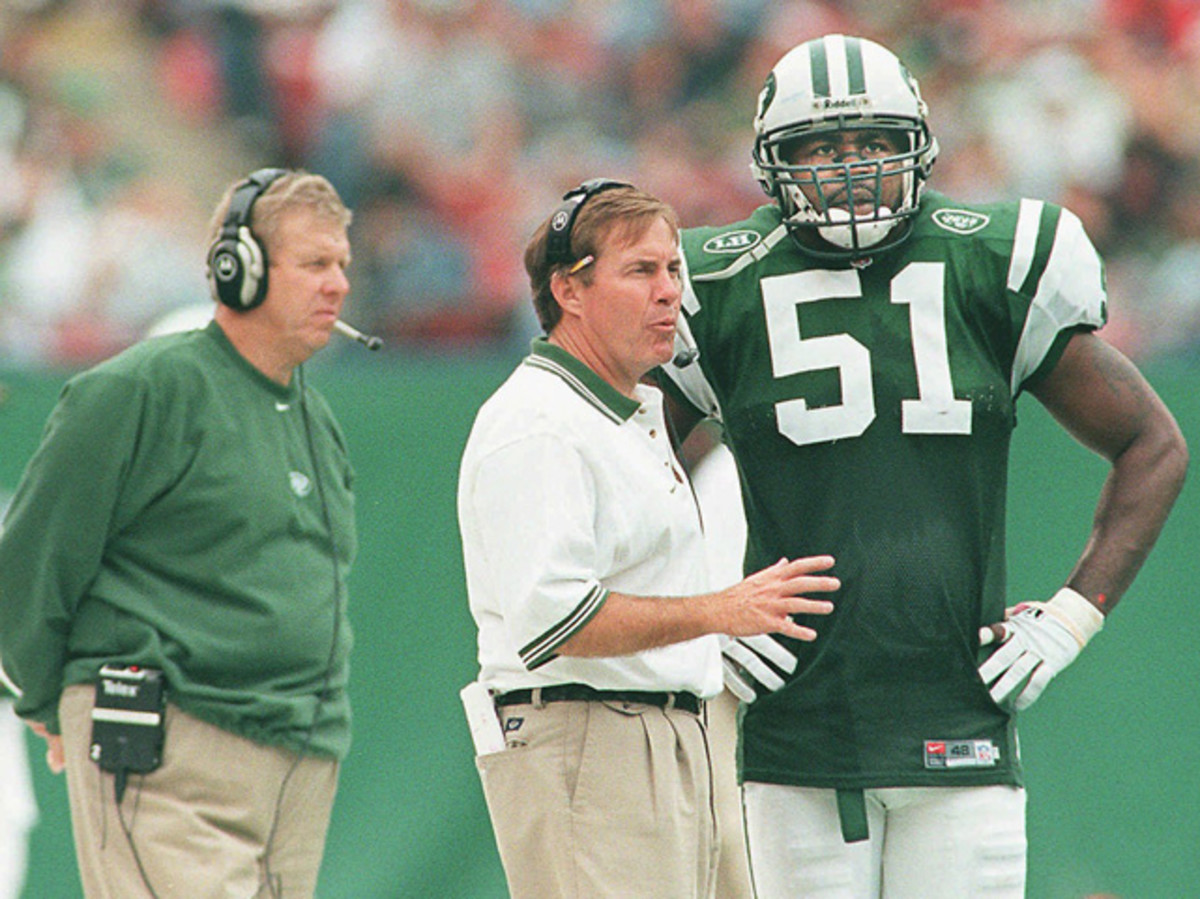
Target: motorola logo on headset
225, 267
559, 222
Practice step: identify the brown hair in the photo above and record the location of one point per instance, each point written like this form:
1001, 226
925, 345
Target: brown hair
622, 213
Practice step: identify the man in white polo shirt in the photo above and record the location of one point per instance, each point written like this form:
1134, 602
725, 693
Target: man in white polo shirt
587, 576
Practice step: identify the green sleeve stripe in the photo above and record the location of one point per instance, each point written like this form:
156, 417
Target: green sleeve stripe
544, 649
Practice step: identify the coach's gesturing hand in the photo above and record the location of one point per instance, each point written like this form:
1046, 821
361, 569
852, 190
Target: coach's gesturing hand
753, 659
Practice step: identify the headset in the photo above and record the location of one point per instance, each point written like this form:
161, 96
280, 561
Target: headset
558, 237
237, 262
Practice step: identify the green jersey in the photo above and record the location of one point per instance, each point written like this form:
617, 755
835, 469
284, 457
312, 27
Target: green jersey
870, 408
185, 512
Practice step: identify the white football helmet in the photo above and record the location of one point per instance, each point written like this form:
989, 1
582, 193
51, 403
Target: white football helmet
838, 83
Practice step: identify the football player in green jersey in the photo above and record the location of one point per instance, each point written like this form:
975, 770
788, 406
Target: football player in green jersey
863, 342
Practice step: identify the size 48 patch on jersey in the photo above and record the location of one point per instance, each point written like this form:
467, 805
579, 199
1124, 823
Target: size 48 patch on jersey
961, 754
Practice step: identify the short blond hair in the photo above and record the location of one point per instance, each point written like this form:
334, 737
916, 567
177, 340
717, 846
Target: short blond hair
295, 189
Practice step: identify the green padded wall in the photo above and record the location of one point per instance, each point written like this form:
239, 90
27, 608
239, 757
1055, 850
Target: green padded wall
1114, 788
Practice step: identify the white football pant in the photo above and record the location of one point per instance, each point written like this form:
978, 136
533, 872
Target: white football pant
925, 843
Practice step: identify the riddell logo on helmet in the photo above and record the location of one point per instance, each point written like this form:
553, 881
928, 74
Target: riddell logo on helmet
823, 103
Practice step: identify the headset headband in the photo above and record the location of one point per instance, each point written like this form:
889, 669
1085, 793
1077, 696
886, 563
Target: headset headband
244, 197
558, 237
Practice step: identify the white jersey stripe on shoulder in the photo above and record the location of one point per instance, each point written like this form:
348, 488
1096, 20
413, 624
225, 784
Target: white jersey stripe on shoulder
691, 302
1024, 242
752, 255
1070, 293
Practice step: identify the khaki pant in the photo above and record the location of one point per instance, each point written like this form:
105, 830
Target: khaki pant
733, 875
200, 827
603, 799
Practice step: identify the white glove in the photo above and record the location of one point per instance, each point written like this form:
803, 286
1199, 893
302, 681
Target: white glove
744, 660
1040, 640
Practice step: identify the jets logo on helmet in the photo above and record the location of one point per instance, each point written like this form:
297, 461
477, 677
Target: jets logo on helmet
834, 84
765, 96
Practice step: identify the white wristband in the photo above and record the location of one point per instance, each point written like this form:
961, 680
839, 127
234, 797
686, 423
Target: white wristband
1082, 618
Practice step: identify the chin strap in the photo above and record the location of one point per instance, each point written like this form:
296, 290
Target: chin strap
859, 235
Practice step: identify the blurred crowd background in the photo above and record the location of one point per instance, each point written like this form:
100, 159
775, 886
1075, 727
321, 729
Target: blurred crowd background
452, 127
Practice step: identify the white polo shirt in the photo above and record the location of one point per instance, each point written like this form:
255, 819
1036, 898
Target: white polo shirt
569, 489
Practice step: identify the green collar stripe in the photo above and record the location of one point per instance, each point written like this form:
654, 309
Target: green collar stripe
589, 385
575, 384
820, 69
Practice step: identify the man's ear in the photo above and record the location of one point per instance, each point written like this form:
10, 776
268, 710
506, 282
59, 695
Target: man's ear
566, 293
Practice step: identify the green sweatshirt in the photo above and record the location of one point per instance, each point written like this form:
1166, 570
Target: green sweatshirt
186, 512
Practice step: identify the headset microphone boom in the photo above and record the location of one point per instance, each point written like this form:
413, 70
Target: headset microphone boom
369, 341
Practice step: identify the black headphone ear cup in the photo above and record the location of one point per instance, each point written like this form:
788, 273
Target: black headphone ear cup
237, 263
237, 271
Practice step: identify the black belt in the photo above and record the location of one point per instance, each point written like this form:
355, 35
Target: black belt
689, 702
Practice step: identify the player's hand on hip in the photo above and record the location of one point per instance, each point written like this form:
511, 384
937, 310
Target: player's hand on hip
1037, 641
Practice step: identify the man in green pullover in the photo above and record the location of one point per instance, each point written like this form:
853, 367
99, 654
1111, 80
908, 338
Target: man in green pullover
188, 521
